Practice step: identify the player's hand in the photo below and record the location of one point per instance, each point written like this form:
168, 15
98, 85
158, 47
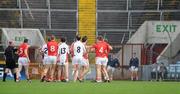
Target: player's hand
29, 60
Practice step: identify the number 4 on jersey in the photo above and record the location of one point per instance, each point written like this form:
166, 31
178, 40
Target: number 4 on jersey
101, 50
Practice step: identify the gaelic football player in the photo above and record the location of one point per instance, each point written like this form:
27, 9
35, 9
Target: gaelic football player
85, 63
77, 49
52, 47
101, 49
23, 60
46, 64
62, 62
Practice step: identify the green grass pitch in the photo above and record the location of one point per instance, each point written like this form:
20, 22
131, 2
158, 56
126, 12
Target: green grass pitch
115, 87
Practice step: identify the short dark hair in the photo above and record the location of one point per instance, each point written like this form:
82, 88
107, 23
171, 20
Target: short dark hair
63, 39
52, 37
84, 38
10, 42
49, 39
25, 40
78, 37
100, 38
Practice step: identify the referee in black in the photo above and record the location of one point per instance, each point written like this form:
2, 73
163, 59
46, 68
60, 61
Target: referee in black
11, 58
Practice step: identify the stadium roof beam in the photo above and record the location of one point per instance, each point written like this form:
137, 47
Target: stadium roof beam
140, 11
60, 30
122, 30
24, 9
74, 10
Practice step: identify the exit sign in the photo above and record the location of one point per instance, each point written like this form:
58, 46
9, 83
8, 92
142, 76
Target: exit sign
19, 38
166, 28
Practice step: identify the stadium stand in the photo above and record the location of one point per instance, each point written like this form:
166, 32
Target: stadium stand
121, 17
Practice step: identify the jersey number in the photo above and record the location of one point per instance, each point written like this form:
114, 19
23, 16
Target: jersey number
63, 50
101, 50
45, 50
20, 50
78, 49
52, 48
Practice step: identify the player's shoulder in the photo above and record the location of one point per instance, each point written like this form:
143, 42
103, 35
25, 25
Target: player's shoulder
78, 43
44, 45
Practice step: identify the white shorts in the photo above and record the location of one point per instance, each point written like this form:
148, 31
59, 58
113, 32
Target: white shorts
77, 60
107, 60
62, 63
52, 59
23, 61
46, 60
110, 68
133, 68
85, 62
101, 61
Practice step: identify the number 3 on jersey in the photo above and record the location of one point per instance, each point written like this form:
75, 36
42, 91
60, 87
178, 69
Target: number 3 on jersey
63, 50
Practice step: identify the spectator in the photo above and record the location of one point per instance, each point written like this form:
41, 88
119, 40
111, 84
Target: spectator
154, 71
162, 71
112, 64
134, 64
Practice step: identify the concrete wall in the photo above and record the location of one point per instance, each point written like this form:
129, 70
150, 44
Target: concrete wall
156, 32
140, 35
162, 31
171, 50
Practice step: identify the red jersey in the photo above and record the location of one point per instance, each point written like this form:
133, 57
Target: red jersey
72, 49
86, 55
101, 49
52, 48
22, 48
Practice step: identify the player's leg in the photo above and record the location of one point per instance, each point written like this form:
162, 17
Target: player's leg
6, 70
81, 71
52, 67
45, 71
136, 73
85, 69
132, 72
98, 70
14, 71
106, 76
110, 73
26, 67
20, 60
66, 70
18, 72
111, 76
98, 73
104, 69
75, 67
25, 63
59, 71
46, 68
75, 63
